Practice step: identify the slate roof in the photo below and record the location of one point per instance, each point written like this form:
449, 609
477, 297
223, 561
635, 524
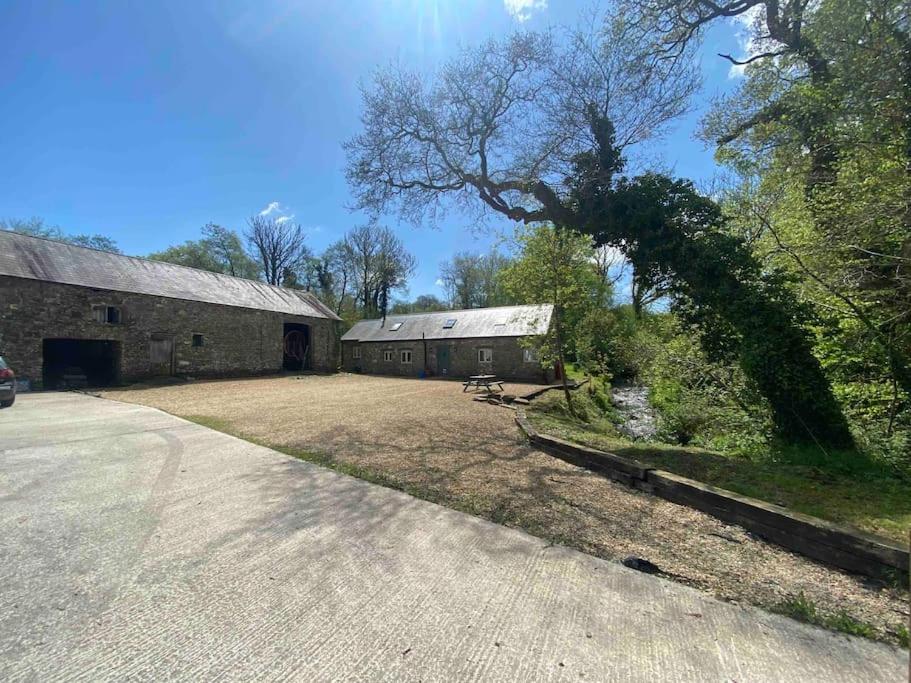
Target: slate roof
36, 258
504, 321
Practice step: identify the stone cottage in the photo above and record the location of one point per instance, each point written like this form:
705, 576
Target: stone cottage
72, 316
451, 343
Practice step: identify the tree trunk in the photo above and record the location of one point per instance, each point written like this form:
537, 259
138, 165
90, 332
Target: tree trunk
558, 333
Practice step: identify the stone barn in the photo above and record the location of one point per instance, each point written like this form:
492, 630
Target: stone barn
72, 316
451, 343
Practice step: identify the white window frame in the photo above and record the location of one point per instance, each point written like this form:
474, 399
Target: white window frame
403, 358
531, 356
485, 355
356, 352
388, 355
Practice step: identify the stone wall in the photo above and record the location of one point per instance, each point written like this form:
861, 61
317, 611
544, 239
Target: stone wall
508, 361
235, 341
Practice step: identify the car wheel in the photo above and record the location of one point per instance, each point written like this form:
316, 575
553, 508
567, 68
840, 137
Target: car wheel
7, 404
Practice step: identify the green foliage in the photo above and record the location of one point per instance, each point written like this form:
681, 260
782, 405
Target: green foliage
192, 254
702, 402
615, 342
219, 251
592, 406
36, 227
425, 303
675, 239
821, 139
554, 265
473, 280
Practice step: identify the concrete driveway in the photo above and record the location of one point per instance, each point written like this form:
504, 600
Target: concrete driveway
137, 545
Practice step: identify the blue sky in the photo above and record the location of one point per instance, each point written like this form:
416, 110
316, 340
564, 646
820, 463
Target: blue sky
144, 121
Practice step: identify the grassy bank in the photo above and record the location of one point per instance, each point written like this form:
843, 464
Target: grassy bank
843, 487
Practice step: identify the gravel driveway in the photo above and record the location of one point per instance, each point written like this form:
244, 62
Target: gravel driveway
432, 440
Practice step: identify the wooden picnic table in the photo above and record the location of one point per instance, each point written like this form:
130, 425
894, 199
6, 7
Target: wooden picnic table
483, 382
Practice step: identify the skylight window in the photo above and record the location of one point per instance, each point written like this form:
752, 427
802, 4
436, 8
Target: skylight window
395, 327
449, 324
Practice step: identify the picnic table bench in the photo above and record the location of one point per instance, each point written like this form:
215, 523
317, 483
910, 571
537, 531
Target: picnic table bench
483, 382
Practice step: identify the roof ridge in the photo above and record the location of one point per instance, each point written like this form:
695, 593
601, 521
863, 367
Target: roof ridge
455, 310
165, 272
151, 260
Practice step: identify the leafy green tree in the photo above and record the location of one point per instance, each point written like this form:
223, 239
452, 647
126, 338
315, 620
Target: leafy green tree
192, 254
613, 342
554, 265
218, 251
700, 401
820, 133
36, 227
472, 280
225, 246
425, 303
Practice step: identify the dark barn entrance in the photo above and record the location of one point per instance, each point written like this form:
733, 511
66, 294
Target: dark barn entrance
74, 363
296, 351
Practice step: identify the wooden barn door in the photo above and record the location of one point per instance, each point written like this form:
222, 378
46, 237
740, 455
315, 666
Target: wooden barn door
161, 354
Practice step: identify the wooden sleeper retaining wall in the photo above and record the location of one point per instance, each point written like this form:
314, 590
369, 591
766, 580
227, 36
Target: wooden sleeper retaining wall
842, 547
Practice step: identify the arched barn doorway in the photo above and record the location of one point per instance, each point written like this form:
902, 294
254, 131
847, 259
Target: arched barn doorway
296, 347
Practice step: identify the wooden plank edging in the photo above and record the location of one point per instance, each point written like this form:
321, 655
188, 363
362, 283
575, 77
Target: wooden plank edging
840, 546
531, 395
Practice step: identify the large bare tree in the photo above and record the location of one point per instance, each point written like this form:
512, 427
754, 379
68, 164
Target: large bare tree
279, 245
380, 265
535, 129
502, 123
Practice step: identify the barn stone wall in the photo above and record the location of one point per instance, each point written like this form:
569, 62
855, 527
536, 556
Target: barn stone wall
508, 359
235, 341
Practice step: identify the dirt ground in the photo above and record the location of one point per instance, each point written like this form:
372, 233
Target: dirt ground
431, 439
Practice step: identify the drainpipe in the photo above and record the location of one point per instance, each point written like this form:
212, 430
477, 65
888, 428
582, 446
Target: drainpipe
426, 368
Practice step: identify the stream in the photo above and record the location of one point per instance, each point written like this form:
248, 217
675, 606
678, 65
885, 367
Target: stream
639, 420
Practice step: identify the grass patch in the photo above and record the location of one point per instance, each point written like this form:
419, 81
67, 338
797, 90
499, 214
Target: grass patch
842, 487
803, 609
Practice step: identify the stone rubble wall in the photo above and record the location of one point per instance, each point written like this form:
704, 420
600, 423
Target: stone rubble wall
236, 341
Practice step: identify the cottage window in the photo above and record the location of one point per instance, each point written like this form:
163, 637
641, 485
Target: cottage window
387, 355
356, 352
485, 355
198, 340
531, 355
109, 315
405, 355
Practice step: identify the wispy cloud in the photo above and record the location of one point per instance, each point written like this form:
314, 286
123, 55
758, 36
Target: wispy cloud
522, 10
271, 207
281, 214
439, 282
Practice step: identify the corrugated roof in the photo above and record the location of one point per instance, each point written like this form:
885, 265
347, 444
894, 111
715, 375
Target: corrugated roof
504, 321
36, 258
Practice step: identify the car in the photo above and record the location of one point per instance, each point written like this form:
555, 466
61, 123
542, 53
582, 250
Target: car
7, 385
